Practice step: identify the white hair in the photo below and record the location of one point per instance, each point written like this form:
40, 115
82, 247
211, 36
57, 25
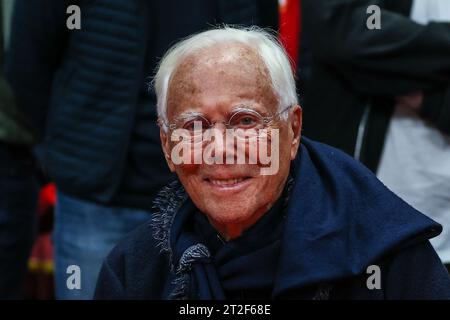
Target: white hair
265, 44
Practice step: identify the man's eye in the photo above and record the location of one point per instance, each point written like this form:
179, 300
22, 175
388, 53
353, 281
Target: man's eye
189, 125
199, 124
245, 121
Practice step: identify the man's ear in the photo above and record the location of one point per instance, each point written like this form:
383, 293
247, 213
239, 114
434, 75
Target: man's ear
165, 142
296, 127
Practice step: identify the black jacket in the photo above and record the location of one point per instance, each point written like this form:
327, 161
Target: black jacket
357, 72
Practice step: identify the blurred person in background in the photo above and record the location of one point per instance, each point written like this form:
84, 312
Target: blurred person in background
383, 95
18, 183
86, 92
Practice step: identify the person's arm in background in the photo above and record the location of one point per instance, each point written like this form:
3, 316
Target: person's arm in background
401, 58
436, 108
37, 42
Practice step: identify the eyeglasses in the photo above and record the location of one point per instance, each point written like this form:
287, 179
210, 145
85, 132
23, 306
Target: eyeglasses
246, 122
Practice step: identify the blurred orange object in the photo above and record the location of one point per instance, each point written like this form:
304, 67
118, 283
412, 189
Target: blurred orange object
40, 264
47, 198
290, 28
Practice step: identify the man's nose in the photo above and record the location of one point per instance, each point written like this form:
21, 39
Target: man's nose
222, 148
219, 125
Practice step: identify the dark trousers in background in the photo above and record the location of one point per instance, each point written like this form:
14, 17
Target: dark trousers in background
18, 217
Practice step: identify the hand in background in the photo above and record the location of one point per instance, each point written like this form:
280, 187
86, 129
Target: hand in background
412, 101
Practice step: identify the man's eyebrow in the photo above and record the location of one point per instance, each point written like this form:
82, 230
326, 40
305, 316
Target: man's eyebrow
188, 115
246, 107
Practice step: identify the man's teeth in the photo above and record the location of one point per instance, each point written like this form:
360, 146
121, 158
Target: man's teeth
227, 182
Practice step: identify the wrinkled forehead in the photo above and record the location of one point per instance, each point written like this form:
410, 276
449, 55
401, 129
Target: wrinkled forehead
223, 69
222, 56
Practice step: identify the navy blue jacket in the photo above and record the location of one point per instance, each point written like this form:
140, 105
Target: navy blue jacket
340, 221
81, 88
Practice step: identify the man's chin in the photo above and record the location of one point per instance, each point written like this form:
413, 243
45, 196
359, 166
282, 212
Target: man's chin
226, 217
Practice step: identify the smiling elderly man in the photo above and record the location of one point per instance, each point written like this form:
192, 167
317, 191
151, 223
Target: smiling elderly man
319, 226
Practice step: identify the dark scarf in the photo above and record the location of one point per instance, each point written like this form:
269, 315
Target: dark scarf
207, 267
339, 220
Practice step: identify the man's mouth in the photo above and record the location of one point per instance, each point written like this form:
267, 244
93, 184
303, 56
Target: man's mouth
228, 183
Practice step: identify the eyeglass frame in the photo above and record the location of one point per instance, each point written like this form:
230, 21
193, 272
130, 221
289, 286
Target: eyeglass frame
266, 120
